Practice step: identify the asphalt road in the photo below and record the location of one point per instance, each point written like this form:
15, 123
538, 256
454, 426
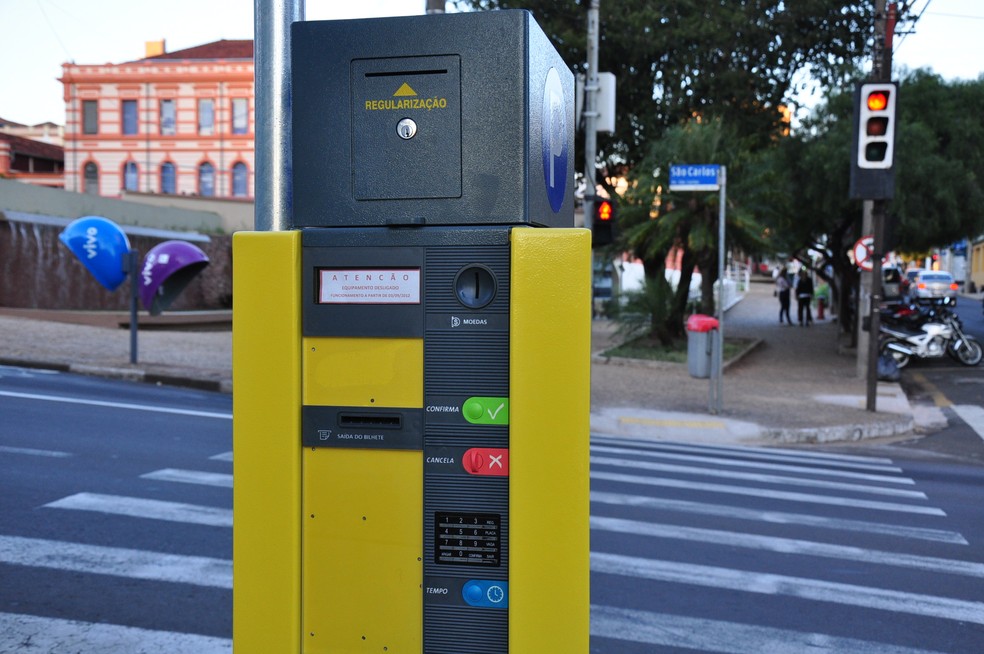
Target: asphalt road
115, 535
115, 516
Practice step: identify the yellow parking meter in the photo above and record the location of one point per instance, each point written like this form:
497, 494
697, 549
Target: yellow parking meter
411, 361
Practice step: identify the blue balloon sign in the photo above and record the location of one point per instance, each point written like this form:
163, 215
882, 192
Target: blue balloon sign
101, 246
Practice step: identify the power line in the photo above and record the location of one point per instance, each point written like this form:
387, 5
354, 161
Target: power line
54, 31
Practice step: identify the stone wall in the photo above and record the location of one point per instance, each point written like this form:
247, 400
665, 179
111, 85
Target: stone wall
38, 272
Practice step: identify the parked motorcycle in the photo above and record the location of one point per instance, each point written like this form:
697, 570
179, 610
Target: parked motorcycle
943, 335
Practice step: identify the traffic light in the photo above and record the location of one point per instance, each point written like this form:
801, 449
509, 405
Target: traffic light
876, 138
603, 223
873, 154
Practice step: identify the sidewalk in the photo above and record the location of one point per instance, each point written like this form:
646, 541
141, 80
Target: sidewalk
792, 387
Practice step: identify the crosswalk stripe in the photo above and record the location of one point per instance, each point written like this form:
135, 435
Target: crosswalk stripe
116, 561
788, 546
36, 634
782, 467
769, 493
136, 507
779, 517
697, 634
802, 588
635, 464
971, 414
190, 477
765, 454
118, 405
28, 451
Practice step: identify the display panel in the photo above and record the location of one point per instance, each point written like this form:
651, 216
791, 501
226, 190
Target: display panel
368, 286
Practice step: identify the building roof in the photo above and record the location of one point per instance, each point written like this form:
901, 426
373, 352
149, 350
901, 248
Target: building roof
224, 49
9, 123
32, 148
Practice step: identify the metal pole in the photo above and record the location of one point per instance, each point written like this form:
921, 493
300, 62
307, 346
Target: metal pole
273, 133
591, 115
719, 356
435, 6
878, 74
132, 264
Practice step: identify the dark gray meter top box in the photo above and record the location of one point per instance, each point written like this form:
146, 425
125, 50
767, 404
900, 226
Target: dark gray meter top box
446, 119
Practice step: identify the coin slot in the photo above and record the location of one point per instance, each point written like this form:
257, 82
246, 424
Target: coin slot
475, 286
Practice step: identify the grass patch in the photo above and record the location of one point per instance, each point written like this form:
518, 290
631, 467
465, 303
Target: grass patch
652, 350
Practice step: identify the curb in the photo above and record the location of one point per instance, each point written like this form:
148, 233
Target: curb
128, 374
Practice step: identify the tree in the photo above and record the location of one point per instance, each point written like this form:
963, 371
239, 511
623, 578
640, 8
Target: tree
939, 163
686, 62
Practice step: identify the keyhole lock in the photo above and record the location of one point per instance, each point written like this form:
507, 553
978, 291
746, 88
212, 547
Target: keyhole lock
474, 286
406, 128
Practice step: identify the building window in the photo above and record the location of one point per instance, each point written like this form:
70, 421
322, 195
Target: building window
240, 180
206, 116
168, 181
167, 118
206, 179
240, 115
90, 116
129, 116
130, 176
91, 176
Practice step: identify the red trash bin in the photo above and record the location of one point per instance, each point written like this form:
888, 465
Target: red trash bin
701, 344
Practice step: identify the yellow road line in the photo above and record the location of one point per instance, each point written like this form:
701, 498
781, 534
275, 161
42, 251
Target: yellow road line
653, 422
938, 398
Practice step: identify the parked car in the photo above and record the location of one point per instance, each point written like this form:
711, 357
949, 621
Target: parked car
933, 284
907, 280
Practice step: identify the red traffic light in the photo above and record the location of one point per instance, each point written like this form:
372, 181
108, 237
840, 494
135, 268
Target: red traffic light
877, 100
604, 210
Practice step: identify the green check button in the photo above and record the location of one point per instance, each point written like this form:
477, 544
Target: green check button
486, 410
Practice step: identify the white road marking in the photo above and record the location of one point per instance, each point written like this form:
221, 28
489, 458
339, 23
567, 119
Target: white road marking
635, 464
788, 546
765, 454
225, 456
768, 493
116, 561
191, 477
698, 634
29, 633
760, 465
779, 517
136, 507
117, 405
973, 415
772, 584
27, 451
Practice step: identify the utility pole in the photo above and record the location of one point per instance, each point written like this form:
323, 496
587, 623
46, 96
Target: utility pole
881, 71
591, 115
435, 6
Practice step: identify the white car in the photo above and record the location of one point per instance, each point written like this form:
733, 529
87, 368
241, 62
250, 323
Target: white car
930, 284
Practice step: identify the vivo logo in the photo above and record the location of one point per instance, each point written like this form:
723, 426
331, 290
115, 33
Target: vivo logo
91, 245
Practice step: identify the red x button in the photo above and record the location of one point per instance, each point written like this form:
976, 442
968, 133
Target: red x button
490, 461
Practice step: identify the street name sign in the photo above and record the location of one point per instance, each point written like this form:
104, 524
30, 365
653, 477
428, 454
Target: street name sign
695, 177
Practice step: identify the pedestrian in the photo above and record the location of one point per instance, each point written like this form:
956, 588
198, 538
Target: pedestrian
782, 290
804, 296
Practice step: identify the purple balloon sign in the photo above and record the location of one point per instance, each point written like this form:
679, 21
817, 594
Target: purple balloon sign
167, 269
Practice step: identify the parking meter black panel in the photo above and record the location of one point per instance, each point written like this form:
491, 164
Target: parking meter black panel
450, 119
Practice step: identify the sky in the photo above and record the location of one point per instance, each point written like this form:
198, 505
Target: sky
40, 35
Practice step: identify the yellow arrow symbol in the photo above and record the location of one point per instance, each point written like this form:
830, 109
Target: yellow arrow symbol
404, 91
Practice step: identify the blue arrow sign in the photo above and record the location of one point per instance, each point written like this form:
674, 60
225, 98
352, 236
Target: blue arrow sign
695, 177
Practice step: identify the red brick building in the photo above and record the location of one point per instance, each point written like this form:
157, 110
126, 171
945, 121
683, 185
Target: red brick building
172, 123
